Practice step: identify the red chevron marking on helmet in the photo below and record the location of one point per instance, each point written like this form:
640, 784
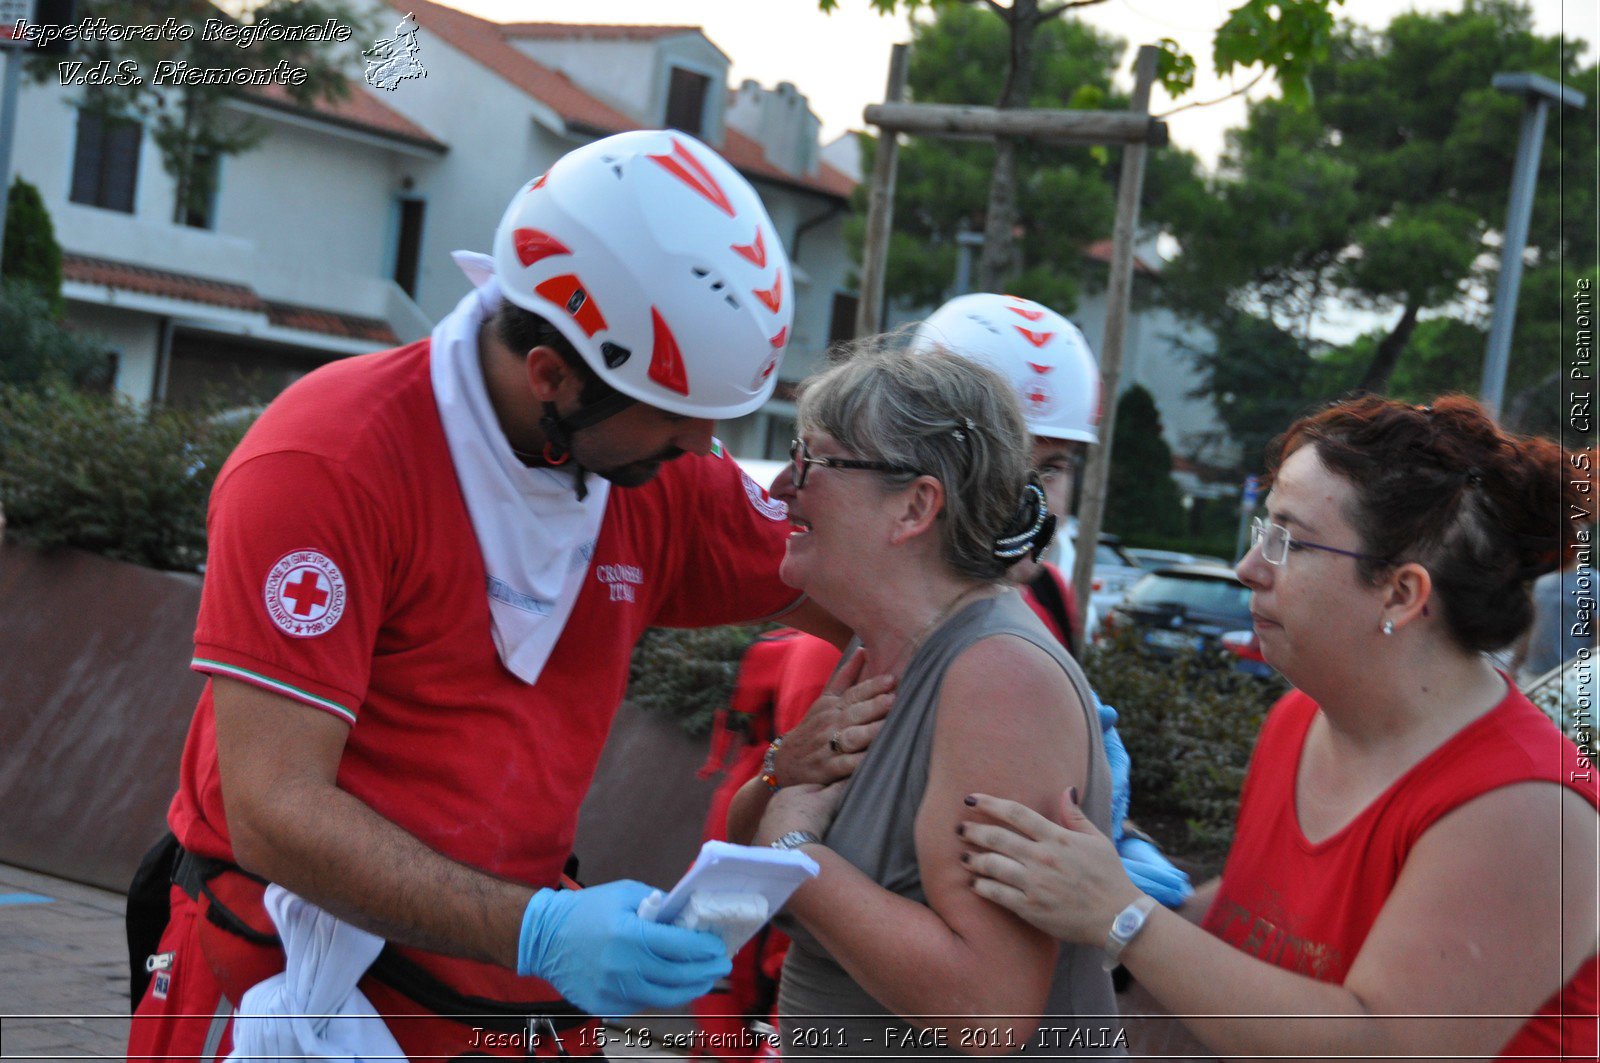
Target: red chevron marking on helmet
567, 292
755, 251
781, 338
1031, 315
772, 299
688, 169
666, 363
532, 245
1040, 369
538, 182
1038, 339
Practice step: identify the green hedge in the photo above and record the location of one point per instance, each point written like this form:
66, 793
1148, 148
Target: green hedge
35, 350
100, 473
1189, 725
688, 674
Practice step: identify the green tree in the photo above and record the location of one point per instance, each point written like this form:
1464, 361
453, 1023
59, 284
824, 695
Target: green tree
189, 123
1387, 193
31, 255
1141, 497
1258, 377
1282, 36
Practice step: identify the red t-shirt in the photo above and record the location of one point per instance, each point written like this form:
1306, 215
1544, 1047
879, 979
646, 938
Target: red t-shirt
1308, 908
1052, 579
343, 573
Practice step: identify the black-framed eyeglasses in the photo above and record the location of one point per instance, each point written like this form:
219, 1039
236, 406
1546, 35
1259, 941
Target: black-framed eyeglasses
800, 457
1276, 542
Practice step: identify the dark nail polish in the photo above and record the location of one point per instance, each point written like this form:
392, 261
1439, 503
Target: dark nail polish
969, 801
1072, 794
961, 830
966, 858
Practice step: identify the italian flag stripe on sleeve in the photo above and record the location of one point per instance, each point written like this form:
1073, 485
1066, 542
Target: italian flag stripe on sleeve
716, 448
201, 664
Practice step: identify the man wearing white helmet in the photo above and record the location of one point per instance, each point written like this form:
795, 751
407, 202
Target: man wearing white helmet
427, 570
1057, 385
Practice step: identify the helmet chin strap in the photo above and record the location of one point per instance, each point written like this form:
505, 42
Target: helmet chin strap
558, 432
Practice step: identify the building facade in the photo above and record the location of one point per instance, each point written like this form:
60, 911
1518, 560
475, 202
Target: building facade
333, 235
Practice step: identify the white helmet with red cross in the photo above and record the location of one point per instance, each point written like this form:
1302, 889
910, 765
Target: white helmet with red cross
657, 261
1045, 357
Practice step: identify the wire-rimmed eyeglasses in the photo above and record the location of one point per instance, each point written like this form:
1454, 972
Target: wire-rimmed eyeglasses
1276, 542
800, 457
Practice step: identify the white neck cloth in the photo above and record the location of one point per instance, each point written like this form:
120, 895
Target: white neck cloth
537, 538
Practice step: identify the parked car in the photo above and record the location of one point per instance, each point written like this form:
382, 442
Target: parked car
1182, 608
1150, 559
1114, 572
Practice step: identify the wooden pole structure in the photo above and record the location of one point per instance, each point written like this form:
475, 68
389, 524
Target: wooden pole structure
986, 123
880, 207
1119, 291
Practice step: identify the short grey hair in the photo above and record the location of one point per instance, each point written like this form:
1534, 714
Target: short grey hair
943, 415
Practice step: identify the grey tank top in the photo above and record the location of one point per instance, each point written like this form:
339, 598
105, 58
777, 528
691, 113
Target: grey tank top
822, 1010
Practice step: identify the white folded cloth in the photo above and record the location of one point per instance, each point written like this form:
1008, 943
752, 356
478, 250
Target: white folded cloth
313, 1010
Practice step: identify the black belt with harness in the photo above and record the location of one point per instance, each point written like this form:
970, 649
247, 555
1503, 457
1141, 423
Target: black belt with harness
193, 874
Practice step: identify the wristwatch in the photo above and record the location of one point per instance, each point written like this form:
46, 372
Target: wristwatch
795, 839
1125, 927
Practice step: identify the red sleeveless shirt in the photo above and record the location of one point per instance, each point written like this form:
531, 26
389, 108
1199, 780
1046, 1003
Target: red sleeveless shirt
1308, 908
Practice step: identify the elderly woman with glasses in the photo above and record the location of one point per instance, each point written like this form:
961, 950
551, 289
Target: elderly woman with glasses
912, 498
1413, 871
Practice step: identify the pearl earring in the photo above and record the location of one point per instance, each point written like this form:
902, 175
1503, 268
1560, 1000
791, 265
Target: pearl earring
1388, 627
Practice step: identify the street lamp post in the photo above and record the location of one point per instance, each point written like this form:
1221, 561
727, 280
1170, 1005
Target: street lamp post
1537, 93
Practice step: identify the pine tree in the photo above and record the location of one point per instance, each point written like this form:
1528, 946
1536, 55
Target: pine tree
1141, 497
31, 255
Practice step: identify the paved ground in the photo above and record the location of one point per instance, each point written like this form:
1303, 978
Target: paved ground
63, 969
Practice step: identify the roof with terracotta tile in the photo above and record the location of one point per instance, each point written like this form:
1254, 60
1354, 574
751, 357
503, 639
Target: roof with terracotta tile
746, 154
125, 276
87, 269
555, 31
1100, 251
350, 326
485, 43
358, 110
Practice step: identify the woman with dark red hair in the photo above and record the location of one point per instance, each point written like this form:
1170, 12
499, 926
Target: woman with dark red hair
1414, 867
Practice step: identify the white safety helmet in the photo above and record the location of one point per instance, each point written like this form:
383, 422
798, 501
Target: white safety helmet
657, 261
1045, 357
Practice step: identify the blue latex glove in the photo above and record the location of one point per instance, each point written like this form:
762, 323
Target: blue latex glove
1153, 873
1149, 870
593, 947
1121, 765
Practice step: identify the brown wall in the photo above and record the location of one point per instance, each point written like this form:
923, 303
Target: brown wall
95, 700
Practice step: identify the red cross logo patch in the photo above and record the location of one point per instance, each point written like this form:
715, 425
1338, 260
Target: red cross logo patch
304, 594
1038, 398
